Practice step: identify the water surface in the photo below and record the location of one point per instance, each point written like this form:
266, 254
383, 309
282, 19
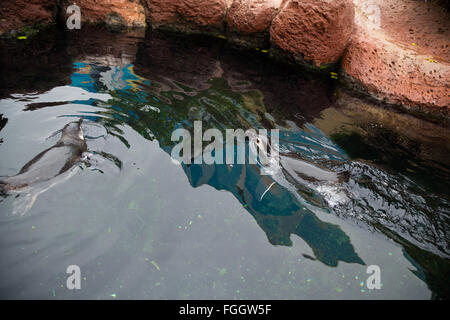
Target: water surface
143, 226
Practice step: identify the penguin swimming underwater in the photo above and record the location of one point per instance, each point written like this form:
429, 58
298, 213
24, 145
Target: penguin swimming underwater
51, 162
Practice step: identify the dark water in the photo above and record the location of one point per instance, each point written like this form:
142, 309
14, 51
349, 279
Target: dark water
140, 225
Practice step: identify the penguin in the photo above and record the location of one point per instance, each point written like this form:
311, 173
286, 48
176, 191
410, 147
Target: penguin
51, 162
300, 169
290, 170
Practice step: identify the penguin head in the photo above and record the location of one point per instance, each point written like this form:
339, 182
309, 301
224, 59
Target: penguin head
72, 133
73, 130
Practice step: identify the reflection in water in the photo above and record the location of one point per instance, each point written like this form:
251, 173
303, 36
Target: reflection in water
169, 83
156, 113
280, 214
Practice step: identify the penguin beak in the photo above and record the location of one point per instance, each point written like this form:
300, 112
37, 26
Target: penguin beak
80, 132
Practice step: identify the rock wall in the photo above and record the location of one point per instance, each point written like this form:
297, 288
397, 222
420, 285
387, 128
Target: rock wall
16, 14
116, 14
248, 21
404, 59
204, 16
395, 51
316, 31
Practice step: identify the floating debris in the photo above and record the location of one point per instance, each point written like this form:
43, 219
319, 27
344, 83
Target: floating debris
147, 108
222, 272
155, 265
132, 205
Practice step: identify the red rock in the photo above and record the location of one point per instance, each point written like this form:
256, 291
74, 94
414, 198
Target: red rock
16, 14
188, 15
314, 30
117, 13
251, 16
380, 62
248, 22
411, 21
